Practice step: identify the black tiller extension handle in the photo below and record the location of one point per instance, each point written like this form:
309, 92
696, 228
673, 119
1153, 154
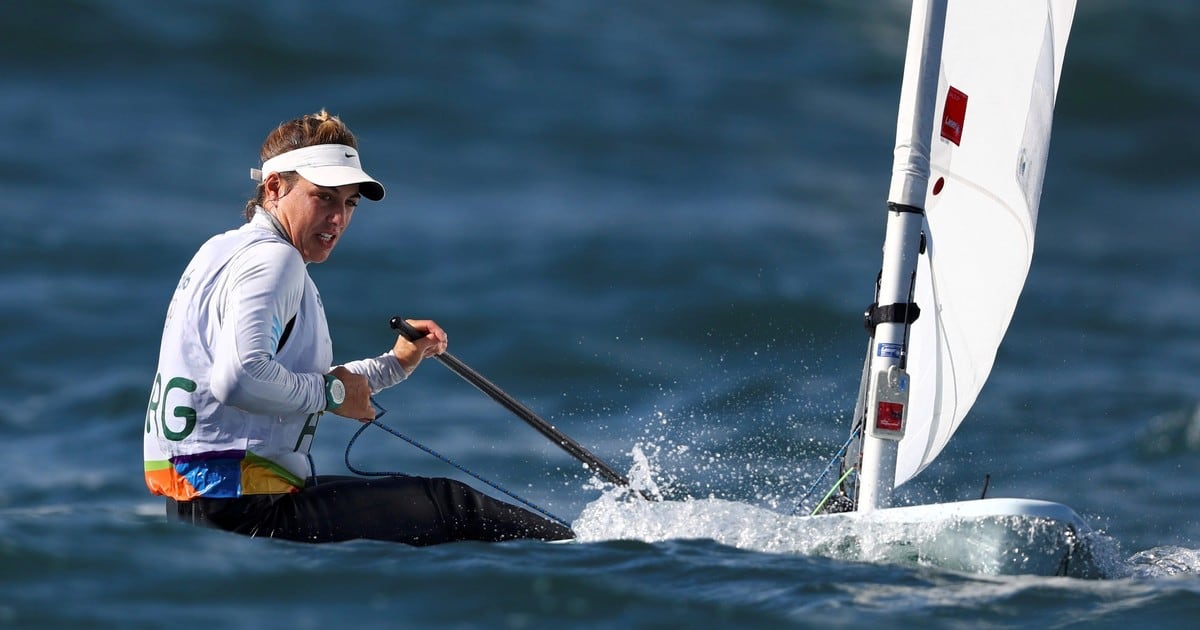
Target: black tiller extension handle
495, 393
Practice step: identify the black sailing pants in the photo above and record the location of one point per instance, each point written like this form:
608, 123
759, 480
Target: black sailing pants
411, 510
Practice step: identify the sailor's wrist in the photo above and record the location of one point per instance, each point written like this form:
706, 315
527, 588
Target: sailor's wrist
335, 392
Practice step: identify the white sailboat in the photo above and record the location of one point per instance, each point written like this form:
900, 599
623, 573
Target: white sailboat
973, 130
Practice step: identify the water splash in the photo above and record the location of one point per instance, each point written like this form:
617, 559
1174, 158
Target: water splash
641, 474
1165, 562
1002, 545
735, 449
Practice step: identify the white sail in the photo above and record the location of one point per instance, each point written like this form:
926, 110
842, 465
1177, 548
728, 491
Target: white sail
998, 79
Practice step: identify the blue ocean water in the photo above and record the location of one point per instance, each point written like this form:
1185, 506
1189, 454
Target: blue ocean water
657, 224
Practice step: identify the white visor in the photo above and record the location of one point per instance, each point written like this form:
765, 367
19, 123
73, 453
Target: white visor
329, 165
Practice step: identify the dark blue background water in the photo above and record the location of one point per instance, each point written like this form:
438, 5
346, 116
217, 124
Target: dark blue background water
656, 224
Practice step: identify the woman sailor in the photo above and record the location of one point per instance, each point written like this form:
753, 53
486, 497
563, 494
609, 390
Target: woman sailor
244, 374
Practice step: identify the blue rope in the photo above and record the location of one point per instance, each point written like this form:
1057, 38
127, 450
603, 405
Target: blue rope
836, 458
417, 444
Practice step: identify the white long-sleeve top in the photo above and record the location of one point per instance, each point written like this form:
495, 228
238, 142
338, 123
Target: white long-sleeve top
232, 412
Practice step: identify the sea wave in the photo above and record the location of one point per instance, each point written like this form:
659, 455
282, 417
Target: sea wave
1171, 434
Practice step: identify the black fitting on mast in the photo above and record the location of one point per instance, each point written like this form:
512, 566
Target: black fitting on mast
906, 314
899, 207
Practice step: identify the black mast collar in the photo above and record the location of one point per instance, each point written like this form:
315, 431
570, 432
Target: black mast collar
904, 313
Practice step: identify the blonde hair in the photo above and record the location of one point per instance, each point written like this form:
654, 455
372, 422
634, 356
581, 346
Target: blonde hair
306, 131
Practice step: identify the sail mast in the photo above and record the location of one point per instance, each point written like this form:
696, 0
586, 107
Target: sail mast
885, 381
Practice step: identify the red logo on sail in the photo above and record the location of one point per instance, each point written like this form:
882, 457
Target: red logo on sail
953, 115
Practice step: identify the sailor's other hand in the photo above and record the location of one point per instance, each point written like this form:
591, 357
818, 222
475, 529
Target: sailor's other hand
433, 343
357, 404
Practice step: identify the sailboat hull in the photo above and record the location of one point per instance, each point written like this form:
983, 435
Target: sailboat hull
988, 536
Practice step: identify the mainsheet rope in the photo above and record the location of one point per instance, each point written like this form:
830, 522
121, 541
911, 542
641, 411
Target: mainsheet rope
836, 458
368, 473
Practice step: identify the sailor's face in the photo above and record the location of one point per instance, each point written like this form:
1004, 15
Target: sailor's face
315, 217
